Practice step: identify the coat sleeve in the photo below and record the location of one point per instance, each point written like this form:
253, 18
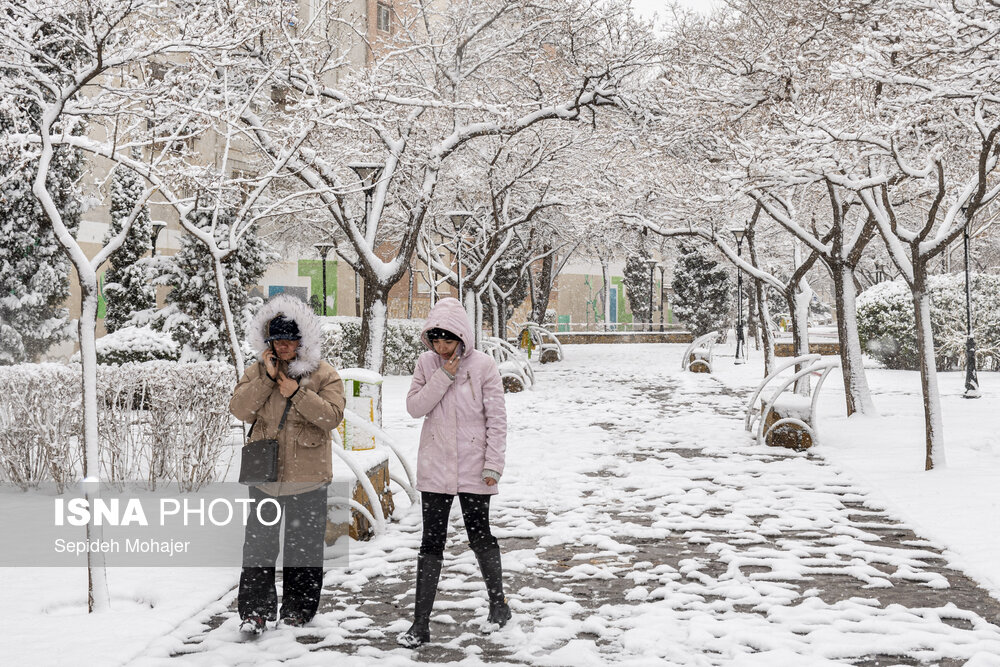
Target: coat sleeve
324, 404
251, 393
426, 392
495, 409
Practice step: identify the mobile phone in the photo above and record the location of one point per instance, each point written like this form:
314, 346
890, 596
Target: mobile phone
273, 351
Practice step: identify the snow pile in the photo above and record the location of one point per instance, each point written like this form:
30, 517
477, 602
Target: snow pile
135, 344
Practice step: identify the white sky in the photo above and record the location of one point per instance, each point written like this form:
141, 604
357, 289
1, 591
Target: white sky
647, 8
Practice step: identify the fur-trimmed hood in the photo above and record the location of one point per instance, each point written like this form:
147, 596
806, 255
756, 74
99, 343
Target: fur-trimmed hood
310, 351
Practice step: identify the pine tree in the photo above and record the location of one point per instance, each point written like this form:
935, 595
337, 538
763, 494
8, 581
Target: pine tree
193, 315
34, 271
127, 286
702, 292
637, 287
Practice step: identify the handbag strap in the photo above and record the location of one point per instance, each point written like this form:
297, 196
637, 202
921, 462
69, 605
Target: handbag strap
284, 415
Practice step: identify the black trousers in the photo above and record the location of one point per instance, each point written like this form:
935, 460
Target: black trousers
475, 512
304, 517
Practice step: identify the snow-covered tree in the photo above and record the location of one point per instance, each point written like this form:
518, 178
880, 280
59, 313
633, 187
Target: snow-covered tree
193, 313
127, 284
637, 287
703, 291
451, 74
110, 52
34, 270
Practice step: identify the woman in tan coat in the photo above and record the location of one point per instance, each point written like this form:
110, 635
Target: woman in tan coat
292, 395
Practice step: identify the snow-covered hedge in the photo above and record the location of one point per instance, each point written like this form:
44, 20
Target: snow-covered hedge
888, 332
342, 341
158, 422
136, 344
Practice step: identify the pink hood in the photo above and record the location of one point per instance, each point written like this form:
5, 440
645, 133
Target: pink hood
465, 419
448, 314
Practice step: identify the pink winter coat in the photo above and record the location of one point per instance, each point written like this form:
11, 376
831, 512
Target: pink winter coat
465, 425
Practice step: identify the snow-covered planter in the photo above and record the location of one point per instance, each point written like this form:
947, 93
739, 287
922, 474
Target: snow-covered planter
342, 341
159, 421
136, 344
888, 333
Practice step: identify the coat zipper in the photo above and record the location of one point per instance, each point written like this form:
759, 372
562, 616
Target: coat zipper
468, 377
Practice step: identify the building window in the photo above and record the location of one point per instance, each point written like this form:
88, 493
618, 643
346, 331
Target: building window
383, 15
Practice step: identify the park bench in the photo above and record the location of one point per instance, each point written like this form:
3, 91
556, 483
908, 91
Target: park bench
698, 355
785, 418
515, 369
547, 343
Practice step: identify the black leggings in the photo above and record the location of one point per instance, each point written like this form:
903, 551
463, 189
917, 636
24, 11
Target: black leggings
475, 513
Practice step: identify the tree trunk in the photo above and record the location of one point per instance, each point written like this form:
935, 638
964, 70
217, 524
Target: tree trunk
373, 326
856, 389
933, 427
495, 314
752, 330
98, 596
764, 315
235, 349
541, 301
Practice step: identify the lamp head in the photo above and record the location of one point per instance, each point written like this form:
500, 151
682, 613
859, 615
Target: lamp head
368, 173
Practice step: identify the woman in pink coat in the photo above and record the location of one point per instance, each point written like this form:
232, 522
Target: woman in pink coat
458, 391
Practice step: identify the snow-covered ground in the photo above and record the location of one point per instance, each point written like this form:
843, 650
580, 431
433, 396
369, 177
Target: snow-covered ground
640, 524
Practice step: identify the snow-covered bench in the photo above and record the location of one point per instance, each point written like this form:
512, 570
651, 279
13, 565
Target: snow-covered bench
548, 345
698, 355
515, 369
784, 418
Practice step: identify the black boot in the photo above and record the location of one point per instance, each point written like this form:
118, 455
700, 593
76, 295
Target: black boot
428, 572
489, 564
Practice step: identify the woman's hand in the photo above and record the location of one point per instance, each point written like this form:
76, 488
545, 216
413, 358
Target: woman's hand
490, 481
268, 360
286, 385
452, 364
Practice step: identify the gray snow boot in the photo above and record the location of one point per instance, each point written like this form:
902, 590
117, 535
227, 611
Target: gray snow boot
489, 564
428, 573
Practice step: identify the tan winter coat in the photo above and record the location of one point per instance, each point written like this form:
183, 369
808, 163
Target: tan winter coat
304, 444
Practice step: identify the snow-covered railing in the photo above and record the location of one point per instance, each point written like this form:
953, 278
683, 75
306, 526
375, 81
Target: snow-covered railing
549, 347
791, 409
700, 353
515, 369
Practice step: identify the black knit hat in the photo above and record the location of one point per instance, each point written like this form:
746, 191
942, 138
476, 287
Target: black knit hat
282, 328
441, 334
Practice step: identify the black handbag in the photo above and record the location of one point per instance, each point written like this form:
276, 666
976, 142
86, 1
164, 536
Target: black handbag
259, 459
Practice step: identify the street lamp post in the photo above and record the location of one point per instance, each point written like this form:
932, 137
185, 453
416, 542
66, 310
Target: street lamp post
739, 233
368, 173
459, 220
324, 249
971, 378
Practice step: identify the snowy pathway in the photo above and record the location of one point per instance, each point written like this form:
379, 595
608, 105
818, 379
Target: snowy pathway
641, 525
